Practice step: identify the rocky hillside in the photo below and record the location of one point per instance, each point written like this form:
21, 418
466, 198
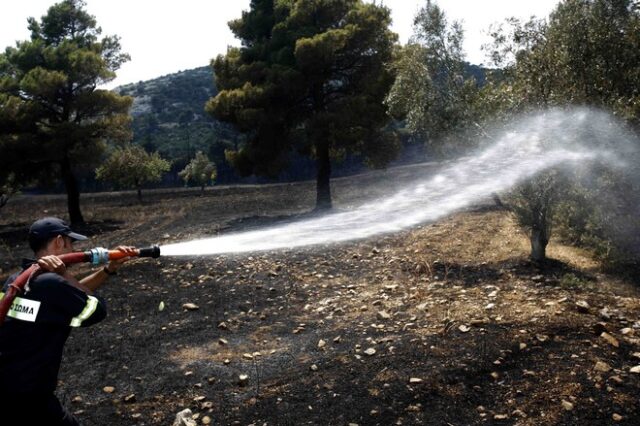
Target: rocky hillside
169, 117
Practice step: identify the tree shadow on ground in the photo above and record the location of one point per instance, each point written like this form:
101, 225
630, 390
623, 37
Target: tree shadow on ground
469, 274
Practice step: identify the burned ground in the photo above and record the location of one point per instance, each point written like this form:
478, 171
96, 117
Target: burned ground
444, 324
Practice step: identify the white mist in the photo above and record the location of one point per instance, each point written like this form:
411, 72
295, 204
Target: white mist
531, 145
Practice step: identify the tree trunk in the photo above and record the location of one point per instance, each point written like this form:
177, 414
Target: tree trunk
139, 195
202, 190
539, 241
323, 181
497, 200
73, 192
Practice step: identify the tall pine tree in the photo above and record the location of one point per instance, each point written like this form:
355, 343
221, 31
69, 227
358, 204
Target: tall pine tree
311, 76
53, 117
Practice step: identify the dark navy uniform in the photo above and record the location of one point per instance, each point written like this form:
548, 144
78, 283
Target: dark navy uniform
31, 344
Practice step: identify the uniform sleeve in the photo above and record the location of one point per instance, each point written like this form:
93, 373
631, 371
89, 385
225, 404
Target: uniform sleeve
64, 303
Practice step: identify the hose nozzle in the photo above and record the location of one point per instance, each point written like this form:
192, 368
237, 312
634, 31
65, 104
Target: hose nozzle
151, 251
99, 255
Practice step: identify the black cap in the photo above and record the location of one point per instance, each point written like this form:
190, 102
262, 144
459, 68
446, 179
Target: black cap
49, 227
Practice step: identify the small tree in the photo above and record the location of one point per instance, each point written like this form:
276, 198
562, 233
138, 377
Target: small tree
200, 171
533, 204
586, 53
132, 167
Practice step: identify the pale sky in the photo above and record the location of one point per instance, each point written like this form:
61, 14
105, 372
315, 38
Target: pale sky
166, 36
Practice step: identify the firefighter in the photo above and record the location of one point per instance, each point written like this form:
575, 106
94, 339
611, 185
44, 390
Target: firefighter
39, 322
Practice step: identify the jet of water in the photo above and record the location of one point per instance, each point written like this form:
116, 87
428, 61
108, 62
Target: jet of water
533, 144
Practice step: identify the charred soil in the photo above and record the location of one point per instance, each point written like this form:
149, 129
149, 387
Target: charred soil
446, 324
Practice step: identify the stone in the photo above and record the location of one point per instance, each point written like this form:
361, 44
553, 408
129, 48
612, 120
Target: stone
190, 306
582, 306
518, 413
243, 379
184, 418
605, 314
383, 315
464, 328
321, 344
370, 351
109, 389
635, 370
616, 417
415, 380
602, 367
610, 339
567, 405
206, 420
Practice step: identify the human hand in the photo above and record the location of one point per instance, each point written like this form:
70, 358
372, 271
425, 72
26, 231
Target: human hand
52, 264
129, 251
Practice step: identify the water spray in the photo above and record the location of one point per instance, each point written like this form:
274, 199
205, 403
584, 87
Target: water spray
95, 256
534, 143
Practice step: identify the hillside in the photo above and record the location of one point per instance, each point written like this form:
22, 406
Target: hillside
169, 117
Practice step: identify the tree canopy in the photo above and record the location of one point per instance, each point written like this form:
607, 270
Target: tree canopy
586, 53
311, 76
53, 117
432, 92
132, 167
200, 170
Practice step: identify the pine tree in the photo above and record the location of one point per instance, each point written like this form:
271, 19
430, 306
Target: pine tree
311, 76
53, 117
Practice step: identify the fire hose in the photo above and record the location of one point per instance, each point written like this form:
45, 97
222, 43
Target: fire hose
96, 256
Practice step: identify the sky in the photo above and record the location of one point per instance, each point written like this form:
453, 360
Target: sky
167, 36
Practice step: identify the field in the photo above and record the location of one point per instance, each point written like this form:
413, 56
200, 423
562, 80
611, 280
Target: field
445, 324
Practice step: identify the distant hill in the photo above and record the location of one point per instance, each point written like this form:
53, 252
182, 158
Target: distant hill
169, 117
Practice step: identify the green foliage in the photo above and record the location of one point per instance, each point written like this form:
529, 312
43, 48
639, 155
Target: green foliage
200, 170
586, 53
601, 211
52, 117
571, 281
169, 117
311, 76
534, 203
132, 167
433, 91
